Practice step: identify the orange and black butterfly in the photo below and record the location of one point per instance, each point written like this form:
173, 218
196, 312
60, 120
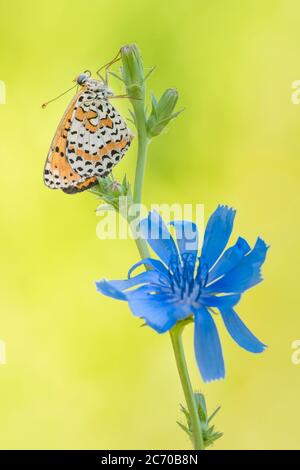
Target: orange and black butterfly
90, 140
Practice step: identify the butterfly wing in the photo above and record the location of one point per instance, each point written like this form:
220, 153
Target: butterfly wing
58, 173
98, 137
78, 188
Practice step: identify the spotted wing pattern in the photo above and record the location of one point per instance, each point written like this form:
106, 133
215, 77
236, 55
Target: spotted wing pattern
58, 173
78, 188
90, 140
98, 136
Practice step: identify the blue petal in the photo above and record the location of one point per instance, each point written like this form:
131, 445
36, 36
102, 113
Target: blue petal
245, 275
148, 277
152, 263
115, 289
105, 288
259, 252
229, 259
208, 348
187, 238
155, 231
239, 332
220, 301
159, 311
217, 233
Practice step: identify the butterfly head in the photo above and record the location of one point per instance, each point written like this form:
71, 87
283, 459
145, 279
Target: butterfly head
97, 86
83, 78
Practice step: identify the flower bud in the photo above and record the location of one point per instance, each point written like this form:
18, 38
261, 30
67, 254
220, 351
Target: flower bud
113, 192
133, 71
162, 112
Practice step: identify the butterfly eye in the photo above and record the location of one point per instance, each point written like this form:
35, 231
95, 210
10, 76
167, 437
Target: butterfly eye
82, 78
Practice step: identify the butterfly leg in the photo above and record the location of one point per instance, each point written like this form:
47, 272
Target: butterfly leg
107, 66
123, 96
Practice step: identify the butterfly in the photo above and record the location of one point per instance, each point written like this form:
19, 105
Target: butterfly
90, 140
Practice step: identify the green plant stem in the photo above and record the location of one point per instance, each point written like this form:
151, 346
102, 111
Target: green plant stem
176, 337
176, 332
143, 141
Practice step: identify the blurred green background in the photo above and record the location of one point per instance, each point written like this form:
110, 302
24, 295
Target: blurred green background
80, 371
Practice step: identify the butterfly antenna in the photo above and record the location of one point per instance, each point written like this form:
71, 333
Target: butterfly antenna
57, 97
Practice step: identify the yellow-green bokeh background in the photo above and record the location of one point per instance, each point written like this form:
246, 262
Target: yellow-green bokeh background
80, 371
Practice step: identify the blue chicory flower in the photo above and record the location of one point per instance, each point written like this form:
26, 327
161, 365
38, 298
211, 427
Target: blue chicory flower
182, 284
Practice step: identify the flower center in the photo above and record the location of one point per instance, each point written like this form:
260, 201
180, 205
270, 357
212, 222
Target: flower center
182, 276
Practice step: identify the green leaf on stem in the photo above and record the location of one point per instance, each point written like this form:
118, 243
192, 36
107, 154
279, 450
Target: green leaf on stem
208, 432
110, 191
